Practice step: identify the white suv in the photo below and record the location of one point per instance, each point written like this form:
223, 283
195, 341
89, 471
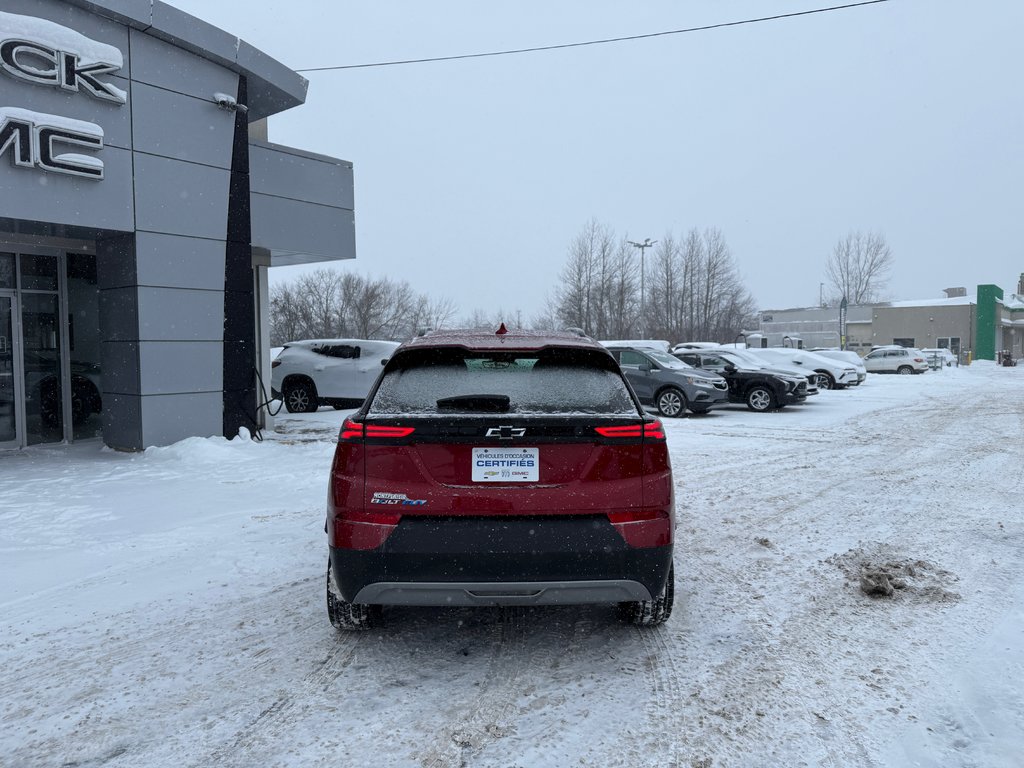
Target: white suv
847, 356
896, 360
339, 372
832, 374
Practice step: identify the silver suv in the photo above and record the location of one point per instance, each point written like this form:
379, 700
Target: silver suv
669, 384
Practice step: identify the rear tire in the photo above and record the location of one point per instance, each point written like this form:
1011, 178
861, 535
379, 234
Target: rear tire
904, 370
350, 616
760, 399
651, 613
300, 397
671, 403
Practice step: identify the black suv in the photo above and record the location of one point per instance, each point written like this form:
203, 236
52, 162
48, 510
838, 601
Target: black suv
759, 389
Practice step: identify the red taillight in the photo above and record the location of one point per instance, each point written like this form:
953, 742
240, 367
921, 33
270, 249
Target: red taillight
652, 430
274, 363
630, 430
353, 430
373, 430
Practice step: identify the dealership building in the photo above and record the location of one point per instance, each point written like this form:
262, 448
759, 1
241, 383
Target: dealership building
983, 325
140, 209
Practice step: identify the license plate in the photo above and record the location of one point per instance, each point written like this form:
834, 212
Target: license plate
506, 465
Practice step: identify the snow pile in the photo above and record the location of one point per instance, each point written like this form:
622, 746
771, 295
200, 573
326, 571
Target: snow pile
881, 571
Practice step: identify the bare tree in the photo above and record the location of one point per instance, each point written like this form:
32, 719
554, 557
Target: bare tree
431, 314
858, 267
696, 291
599, 284
330, 304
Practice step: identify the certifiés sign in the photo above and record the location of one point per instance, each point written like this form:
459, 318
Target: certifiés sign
506, 465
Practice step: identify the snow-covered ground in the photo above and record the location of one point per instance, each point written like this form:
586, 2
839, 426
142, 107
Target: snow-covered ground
166, 608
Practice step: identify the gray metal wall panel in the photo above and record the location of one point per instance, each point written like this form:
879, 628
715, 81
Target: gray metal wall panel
180, 314
137, 313
114, 119
119, 361
119, 313
179, 198
194, 35
169, 418
299, 227
89, 24
122, 422
115, 261
181, 127
284, 174
32, 194
161, 64
178, 367
172, 261
135, 13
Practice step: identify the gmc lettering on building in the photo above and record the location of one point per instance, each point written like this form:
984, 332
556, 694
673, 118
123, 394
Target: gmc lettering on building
37, 140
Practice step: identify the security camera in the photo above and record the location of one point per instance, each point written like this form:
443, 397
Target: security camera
225, 101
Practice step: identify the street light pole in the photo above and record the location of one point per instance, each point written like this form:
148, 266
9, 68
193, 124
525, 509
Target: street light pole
647, 243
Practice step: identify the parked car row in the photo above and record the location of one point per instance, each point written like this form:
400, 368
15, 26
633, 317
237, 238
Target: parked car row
703, 378
695, 376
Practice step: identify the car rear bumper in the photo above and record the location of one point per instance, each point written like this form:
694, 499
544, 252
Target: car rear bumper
501, 561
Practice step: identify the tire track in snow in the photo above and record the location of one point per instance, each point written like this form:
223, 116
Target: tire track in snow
289, 706
665, 701
488, 715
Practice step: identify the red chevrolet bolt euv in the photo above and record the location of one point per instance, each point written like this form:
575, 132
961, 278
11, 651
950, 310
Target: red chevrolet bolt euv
500, 468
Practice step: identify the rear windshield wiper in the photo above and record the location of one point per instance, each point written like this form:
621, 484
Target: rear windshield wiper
475, 403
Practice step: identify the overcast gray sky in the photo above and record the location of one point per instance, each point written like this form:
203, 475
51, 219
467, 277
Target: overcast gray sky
472, 177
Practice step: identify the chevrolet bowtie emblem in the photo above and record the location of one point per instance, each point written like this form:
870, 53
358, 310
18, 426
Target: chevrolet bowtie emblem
506, 432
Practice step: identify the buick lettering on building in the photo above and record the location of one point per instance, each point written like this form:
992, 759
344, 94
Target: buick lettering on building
41, 52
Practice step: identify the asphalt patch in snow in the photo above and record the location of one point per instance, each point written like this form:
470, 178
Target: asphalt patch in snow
879, 571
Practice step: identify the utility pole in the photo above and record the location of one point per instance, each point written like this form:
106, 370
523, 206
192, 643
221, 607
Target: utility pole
647, 243
821, 294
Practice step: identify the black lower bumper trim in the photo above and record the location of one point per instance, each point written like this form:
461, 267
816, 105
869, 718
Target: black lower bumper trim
500, 551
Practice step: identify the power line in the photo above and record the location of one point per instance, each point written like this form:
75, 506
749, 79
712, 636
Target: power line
597, 42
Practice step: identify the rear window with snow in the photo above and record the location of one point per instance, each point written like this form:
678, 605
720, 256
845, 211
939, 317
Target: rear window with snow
460, 382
